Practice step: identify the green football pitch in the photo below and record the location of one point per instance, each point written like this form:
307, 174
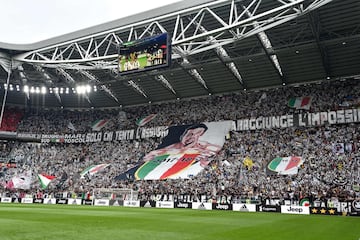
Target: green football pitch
65, 222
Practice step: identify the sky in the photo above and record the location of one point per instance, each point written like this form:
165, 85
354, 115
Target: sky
30, 21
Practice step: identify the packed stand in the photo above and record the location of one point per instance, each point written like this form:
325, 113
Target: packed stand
325, 172
325, 96
11, 119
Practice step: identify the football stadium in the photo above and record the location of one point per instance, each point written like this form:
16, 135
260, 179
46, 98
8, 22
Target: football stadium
200, 119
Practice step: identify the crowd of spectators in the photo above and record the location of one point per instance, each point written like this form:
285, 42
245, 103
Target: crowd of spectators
11, 119
268, 102
325, 173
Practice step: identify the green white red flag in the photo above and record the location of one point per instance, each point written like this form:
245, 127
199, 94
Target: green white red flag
93, 169
284, 165
300, 102
45, 180
142, 121
99, 124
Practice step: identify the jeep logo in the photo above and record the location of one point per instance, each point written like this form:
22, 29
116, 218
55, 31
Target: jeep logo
183, 205
224, 207
292, 209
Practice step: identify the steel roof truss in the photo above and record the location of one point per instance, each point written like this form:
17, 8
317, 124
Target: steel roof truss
227, 28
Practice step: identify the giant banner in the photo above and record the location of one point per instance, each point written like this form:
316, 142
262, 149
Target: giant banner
91, 137
183, 153
308, 119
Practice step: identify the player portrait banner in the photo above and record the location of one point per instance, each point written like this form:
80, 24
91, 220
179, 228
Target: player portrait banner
184, 152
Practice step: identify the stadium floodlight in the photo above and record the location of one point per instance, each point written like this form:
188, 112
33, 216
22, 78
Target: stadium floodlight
83, 89
80, 90
43, 90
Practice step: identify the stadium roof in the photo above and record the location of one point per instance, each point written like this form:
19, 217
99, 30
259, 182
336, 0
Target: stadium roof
218, 46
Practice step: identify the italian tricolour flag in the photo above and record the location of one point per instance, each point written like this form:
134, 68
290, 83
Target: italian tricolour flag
166, 166
93, 169
300, 102
142, 121
285, 165
45, 180
99, 124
